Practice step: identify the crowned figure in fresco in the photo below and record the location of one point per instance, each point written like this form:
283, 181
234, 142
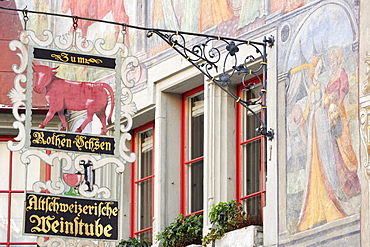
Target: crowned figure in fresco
321, 203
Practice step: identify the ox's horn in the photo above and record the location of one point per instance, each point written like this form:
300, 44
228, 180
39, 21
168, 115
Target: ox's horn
55, 68
35, 63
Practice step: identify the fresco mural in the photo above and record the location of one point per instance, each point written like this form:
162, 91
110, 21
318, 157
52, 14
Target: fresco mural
250, 11
225, 18
97, 10
321, 97
285, 5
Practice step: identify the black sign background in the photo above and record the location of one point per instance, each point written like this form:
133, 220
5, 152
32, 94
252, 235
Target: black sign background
45, 200
86, 143
74, 58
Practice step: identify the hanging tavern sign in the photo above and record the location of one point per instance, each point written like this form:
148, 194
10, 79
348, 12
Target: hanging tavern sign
70, 96
70, 217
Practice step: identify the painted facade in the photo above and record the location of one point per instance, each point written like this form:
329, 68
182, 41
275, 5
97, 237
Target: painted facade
318, 104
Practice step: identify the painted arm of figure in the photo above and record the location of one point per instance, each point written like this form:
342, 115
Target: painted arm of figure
307, 110
326, 100
299, 120
344, 85
303, 120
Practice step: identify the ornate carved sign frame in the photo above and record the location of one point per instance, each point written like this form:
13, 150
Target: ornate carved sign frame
71, 54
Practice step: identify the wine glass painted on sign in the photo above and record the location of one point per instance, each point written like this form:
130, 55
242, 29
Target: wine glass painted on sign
72, 179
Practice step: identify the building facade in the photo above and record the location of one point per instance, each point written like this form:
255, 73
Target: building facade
195, 145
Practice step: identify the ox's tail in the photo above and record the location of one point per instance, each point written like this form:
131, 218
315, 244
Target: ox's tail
111, 94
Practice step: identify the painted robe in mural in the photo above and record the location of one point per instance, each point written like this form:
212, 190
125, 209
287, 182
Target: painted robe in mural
214, 12
250, 11
345, 157
321, 204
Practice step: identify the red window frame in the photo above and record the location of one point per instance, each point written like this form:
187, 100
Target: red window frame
135, 181
240, 141
184, 162
10, 191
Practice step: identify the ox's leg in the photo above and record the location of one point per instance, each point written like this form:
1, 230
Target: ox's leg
103, 119
48, 117
88, 119
62, 118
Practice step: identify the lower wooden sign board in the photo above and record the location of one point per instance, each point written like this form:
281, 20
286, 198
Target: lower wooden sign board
78, 217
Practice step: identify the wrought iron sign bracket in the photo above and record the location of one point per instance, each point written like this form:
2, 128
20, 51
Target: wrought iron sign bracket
215, 52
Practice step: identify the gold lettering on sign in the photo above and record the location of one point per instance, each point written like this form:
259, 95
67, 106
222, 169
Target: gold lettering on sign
65, 57
56, 140
62, 141
45, 224
51, 223
93, 144
52, 204
42, 223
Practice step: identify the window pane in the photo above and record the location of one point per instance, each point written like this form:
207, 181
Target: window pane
22, 245
144, 189
19, 170
5, 160
147, 236
195, 136
250, 122
195, 185
18, 245
145, 168
16, 217
253, 205
16, 224
250, 125
3, 216
146, 155
251, 168
145, 204
251, 153
196, 126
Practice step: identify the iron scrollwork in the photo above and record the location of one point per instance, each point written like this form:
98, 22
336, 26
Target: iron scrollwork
216, 52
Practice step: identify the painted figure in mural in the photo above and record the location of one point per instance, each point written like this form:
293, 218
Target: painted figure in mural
190, 16
214, 12
96, 10
250, 11
321, 204
345, 157
163, 17
285, 5
76, 96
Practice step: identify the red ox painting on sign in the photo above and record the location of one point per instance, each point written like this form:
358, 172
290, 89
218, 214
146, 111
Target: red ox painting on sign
63, 94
